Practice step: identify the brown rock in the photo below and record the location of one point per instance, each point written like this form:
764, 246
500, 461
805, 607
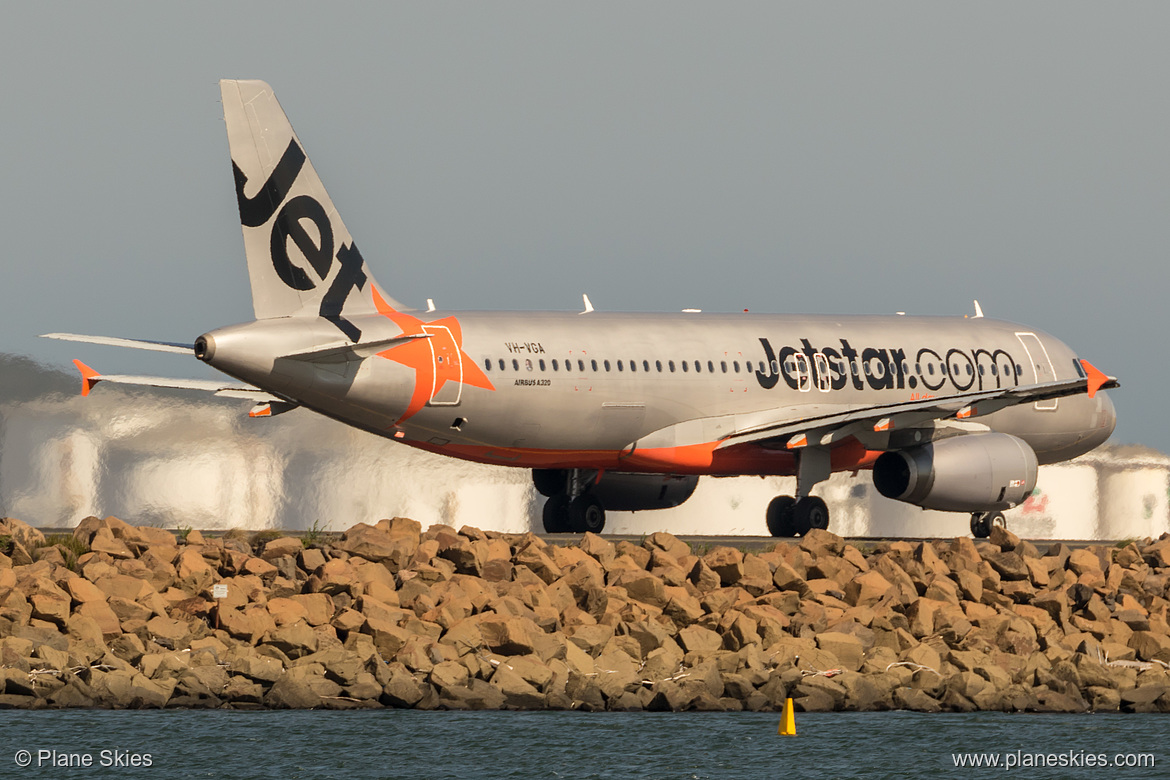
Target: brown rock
1150, 646
101, 614
700, 641
916, 700
865, 589
642, 586
249, 624
509, 636
319, 607
289, 693
286, 611
518, 693
82, 590
539, 563
668, 543
1009, 565
703, 578
284, 545
388, 638
104, 542
22, 533
295, 641
1083, 560
376, 544
846, 648
88, 527
727, 563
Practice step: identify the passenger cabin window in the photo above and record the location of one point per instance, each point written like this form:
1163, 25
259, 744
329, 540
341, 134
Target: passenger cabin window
515, 364
528, 363
606, 364
542, 364
723, 365
593, 363
684, 365
646, 366
487, 363
554, 364
670, 364
501, 364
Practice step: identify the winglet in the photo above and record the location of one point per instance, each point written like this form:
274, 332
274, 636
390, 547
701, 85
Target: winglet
89, 377
1096, 378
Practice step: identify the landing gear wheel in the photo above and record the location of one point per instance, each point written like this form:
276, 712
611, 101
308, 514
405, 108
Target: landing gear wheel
556, 514
981, 524
810, 512
586, 514
779, 516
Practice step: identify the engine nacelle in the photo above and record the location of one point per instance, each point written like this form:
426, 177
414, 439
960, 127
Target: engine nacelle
624, 492
976, 472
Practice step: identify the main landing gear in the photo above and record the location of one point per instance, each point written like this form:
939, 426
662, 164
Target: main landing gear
982, 523
793, 516
574, 508
788, 516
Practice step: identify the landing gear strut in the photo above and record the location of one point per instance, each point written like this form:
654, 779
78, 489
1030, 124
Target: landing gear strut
574, 508
982, 523
792, 516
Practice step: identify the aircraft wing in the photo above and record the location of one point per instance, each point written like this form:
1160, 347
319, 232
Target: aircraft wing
831, 424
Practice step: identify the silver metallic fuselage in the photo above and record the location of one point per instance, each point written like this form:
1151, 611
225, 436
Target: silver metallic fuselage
544, 404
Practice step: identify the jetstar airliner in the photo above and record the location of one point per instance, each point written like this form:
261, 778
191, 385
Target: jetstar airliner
627, 411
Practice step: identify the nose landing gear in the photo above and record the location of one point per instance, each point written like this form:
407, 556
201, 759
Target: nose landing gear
983, 522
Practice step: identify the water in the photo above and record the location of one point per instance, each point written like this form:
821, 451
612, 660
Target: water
693, 746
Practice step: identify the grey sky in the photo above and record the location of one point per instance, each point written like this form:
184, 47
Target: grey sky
819, 157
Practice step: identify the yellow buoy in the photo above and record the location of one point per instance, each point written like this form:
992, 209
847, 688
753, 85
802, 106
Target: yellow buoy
788, 722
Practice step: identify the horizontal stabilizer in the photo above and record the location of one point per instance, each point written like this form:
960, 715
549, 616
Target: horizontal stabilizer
90, 377
153, 346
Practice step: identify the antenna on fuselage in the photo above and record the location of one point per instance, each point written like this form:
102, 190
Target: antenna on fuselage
978, 311
588, 305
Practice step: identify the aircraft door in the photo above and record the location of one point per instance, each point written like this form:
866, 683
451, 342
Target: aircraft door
447, 360
821, 363
803, 374
1041, 367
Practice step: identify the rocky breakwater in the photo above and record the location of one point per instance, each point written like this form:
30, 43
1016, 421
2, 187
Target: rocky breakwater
387, 615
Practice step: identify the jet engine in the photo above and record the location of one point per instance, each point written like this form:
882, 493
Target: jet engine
620, 491
976, 472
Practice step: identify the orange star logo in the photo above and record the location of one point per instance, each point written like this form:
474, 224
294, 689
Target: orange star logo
436, 356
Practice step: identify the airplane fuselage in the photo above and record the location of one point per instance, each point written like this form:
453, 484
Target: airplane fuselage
615, 391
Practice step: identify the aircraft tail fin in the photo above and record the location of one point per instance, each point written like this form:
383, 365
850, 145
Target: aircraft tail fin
302, 261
